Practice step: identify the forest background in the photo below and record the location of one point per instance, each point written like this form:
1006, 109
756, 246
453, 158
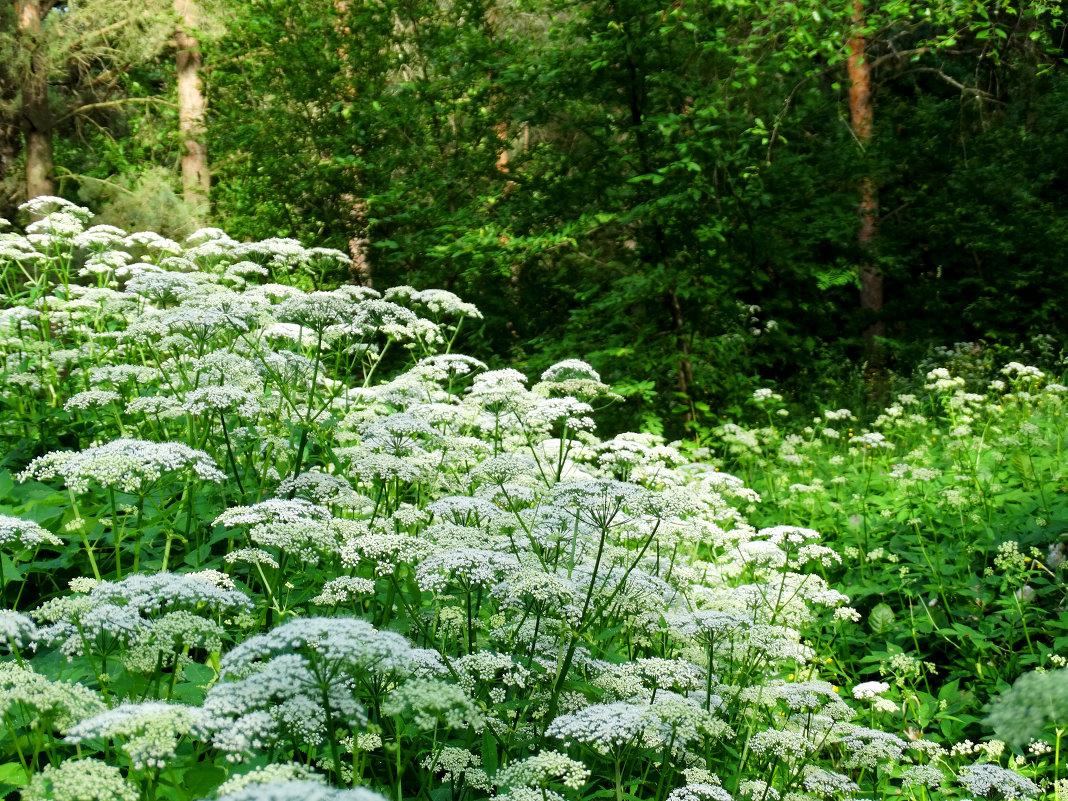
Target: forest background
697, 198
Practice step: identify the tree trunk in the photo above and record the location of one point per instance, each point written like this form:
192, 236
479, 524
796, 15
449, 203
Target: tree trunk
36, 114
494, 20
9, 151
196, 178
862, 114
359, 244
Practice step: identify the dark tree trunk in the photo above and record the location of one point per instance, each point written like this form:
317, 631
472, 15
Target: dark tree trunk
9, 151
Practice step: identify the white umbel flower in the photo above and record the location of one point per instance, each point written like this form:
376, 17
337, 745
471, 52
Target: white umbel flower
299, 790
17, 631
543, 769
133, 466
150, 730
80, 780
605, 728
16, 533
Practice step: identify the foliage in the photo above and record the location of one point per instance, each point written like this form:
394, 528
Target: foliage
948, 509
650, 172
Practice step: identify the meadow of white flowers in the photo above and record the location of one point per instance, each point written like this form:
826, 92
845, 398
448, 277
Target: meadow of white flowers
262, 542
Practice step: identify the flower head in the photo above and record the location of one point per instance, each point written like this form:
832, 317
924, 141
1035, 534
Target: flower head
133, 466
16, 534
80, 780
151, 730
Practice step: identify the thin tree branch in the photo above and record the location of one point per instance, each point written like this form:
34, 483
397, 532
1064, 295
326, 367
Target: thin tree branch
63, 173
899, 54
964, 88
109, 103
890, 214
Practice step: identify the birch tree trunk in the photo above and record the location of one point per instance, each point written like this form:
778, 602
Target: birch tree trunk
862, 115
36, 114
196, 177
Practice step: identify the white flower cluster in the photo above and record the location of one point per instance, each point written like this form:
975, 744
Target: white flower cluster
152, 594
337, 642
439, 302
165, 642
282, 698
292, 526
267, 774
128, 465
224, 399
343, 589
385, 551
430, 703
782, 744
603, 591
1018, 371
870, 689
80, 780
17, 632
469, 567
828, 784
543, 769
297, 790
324, 489
29, 699
151, 730
605, 728
16, 534
453, 764
699, 791
91, 399
984, 779
140, 611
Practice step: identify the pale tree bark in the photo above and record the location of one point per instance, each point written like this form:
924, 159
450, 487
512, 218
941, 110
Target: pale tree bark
862, 116
196, 176
36, 116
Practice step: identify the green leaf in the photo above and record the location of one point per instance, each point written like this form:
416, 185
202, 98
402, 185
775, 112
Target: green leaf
881, 620
12, 775
201, 779
12, 572
489, 752
6, 484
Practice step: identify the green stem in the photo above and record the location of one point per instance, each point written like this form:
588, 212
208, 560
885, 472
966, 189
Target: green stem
230, 456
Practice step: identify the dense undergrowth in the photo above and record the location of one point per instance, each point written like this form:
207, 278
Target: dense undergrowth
950, 513
262, 543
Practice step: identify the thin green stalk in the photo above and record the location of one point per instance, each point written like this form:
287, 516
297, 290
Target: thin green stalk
116, 534
335, 754
1057, 761
230, 456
